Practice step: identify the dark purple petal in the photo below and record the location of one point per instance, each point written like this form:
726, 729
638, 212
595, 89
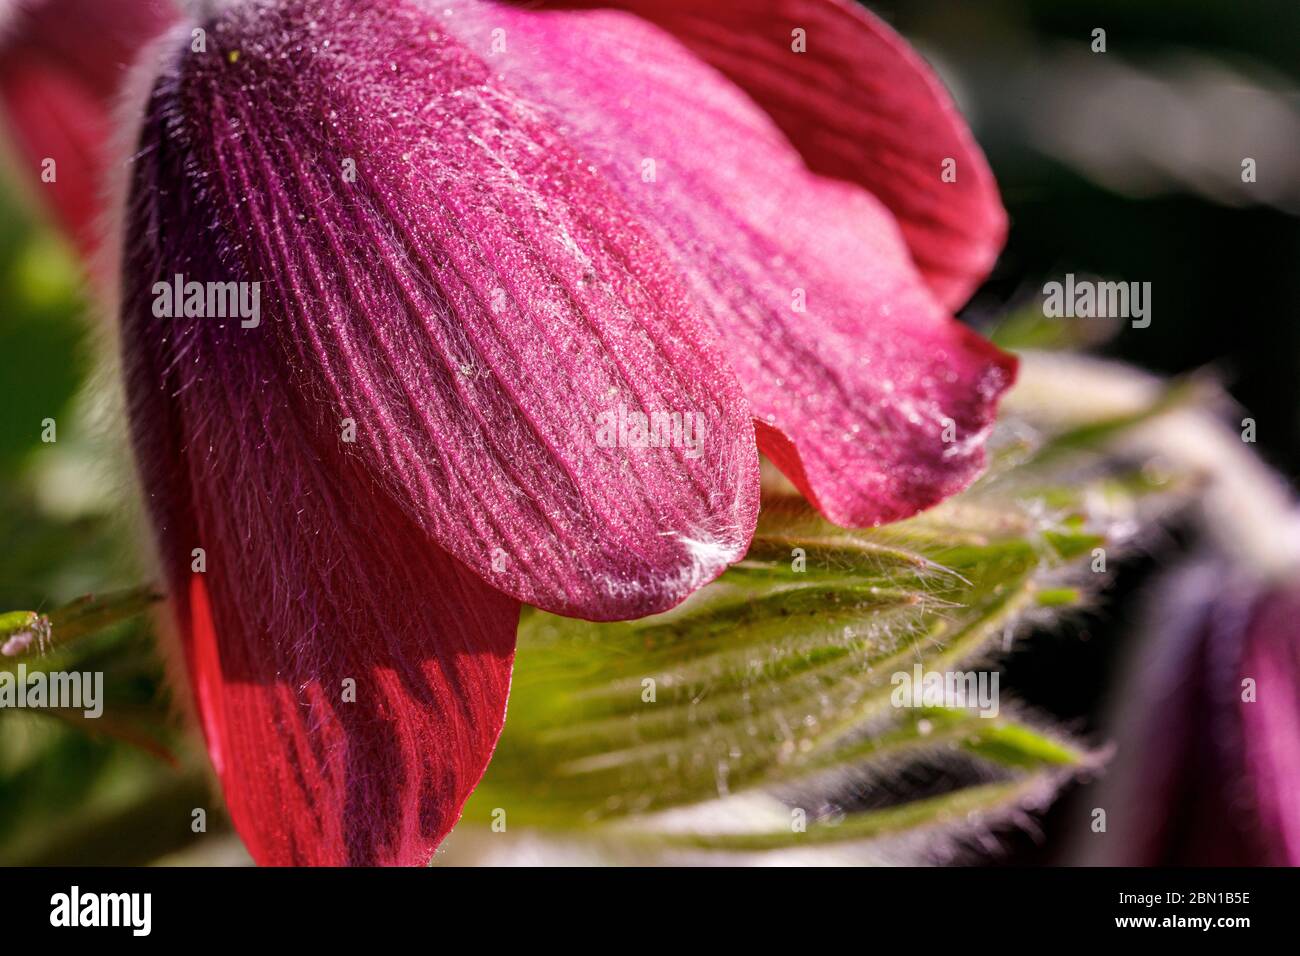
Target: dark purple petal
476, 299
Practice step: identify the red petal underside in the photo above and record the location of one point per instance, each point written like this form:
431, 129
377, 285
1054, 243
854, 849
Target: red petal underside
356, 743
869, 396
860, 105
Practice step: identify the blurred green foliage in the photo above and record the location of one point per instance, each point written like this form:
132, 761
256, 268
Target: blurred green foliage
72, 790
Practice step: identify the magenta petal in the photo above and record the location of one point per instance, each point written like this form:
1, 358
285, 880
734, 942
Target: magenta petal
948, 380
1270, 721
350, 676
861, 105
1208, 730
476, 307
869, 396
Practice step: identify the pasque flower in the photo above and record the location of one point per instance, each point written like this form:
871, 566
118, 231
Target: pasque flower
537, 286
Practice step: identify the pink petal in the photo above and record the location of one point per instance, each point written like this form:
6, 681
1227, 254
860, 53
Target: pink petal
478, 302
873, 400
860, 105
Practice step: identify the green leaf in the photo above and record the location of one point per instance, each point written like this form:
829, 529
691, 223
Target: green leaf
976, 805
1028, 328
25, 634
79, 637
778, 678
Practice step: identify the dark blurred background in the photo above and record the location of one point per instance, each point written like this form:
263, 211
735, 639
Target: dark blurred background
1126, 165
